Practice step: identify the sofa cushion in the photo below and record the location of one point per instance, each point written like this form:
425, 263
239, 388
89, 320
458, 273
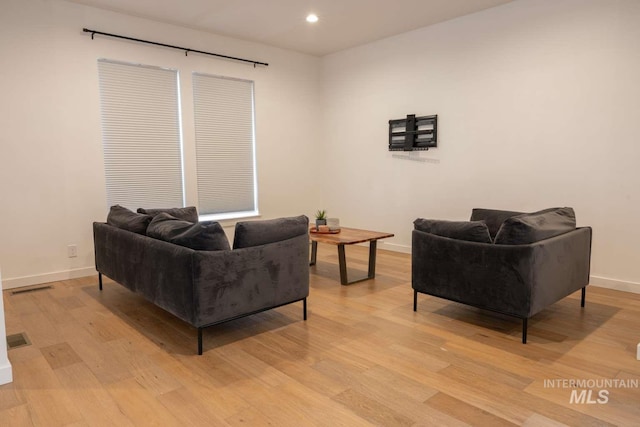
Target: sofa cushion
200, 236
492, 217
123, 218
256, 233
533, 227
190, 213
472, 231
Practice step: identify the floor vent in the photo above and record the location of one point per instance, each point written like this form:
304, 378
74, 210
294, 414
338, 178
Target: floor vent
24, 291
17, 340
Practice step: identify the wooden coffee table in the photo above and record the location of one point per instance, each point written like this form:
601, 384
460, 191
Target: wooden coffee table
348, 236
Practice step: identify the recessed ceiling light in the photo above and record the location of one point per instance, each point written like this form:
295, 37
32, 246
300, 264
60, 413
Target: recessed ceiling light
312, 18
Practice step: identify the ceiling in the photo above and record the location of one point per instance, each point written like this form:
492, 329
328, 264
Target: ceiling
343, 23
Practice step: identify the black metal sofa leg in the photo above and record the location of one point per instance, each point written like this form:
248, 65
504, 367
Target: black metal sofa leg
100, 281
524, 330
584, 292
415, 300
304, 314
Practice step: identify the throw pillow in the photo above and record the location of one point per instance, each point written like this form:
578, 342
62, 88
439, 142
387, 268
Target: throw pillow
123, 218
492, 217
472, 231
201, 236
256, 233
533, 227
190, 213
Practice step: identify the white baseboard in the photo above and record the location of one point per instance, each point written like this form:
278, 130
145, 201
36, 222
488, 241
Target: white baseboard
618, 285
6, 374
18, 282
394, 247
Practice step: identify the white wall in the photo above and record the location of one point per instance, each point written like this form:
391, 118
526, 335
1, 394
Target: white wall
538, 106
51, 171
537, 103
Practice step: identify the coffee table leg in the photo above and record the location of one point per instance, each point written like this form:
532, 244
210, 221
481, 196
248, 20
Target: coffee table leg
372, 258
342, 262
314, 252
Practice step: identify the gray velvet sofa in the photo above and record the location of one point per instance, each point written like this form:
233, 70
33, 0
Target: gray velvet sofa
503, 261
267, 268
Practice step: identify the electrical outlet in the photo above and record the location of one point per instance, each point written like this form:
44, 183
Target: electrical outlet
72, 251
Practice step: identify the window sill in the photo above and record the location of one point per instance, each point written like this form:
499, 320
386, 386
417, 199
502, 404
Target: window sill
228, 217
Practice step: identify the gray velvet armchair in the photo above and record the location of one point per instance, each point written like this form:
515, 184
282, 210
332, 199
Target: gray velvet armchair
525, 263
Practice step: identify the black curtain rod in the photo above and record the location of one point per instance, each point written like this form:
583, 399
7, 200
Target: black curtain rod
186, 49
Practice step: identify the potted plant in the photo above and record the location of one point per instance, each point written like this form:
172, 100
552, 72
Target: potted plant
321, 218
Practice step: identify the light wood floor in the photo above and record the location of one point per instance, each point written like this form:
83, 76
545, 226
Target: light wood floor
363, 357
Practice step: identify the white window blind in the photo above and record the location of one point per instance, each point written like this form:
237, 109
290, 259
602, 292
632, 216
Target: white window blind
225, 149
141, 135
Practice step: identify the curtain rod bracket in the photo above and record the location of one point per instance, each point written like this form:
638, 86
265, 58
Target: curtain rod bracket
185, 49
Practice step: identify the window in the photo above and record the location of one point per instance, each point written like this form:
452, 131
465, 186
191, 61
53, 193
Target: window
225, 146
141, 135
142, 140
